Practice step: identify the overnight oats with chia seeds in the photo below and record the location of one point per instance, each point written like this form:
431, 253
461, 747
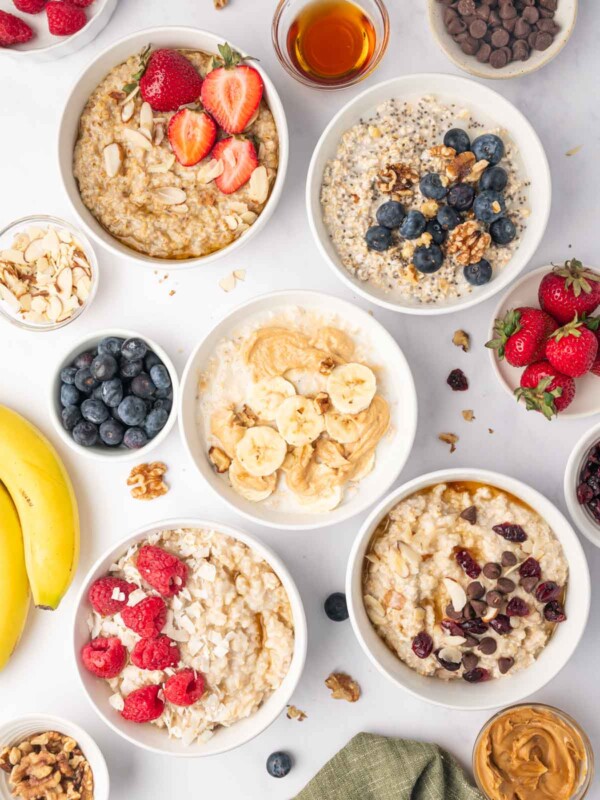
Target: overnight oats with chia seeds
192, 630
424, 201
464, 580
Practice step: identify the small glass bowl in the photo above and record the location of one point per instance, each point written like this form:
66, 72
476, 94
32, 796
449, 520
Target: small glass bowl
586, 780
287, 11
39, 220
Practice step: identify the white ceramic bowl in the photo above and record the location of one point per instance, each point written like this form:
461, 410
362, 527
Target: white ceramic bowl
582, 518
46, 47
18, 729
488, 106
492, 694
149, 737
566, 16
392, 451
109, 453
525, 293
191, 38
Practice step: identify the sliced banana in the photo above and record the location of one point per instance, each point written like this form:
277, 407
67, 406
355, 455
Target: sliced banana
351, 388
363, 468
251, 487
261, 451
299, 421
268, 394
342, 427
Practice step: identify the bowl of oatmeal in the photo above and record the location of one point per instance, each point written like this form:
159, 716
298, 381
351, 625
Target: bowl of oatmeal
131, 170
298, 409
189, 637
468, 588
427, 194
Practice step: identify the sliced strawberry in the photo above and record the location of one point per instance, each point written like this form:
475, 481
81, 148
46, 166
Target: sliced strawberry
239, 160
192, 135
232, 93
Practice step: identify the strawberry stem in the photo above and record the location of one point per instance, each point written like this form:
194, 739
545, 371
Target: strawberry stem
576, 276
505, 328
539, 398
144, 57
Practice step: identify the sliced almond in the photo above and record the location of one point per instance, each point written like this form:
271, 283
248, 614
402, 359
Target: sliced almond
231, 221
131, 95
25, 301
490, 614
170, 195
165, 166
410, 555
454, 641
12, 256
146, 116
258, 187
113, 159
398, 564
249, 217
34, 232
182, 208
127, 111
39, 305
240, 274
83, 288
54, 309
210, 171
458, 596
137, 139
228, 282
159, 135
451, 654
9, 298
64, 281
52, 243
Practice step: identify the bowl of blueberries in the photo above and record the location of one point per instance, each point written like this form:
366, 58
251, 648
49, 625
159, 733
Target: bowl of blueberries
114, 395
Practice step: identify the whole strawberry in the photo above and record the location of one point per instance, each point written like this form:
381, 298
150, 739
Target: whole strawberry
521, 335
545, 389
572, 349
169, 81
64, 18
570, 290
30, 6
594, 325
13, 30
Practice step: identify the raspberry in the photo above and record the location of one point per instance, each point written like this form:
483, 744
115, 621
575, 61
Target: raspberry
64, 18
30, 6
104, 657
184, 688
13, 30
146, 618
82, 3
109, 595
162, 570
143, 705
157, 653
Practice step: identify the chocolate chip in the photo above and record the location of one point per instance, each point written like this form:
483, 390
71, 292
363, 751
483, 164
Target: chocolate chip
479, 607
550, 5
507, 11
546, 13
470, 46
466, 7
469, 514
500, 37
478, 29
509, 24
487, 645
508, 559
548, 26
543, 41
494, 599
483, 12
451, 612
531, 38
456, 26
531, 15
469, 612
504, 664
529, 583
492, 570
521, 50
470, 661
505, 585
484, 53
471, 641
475, 590
522, 29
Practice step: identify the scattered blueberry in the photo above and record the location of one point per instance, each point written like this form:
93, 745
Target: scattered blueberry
67, 375
503, 231
437, 233
279, 764
457, 139
69, 395
431, 186
142, 385
160, 376
336, 607
155, 421
71, 415
85, 433
413, 225
461, 196
428, 259
150, 359
84, 359
104, 367
85, 381
112, 392
94, 411
489, 206
132, 410
111, 432
390, 214
489, 147
378, 238
134, 349
478, 274
494, 178
129, 369
111, 346
448, 218
135, 438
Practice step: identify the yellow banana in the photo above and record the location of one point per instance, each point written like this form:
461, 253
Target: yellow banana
14, 588
41, 490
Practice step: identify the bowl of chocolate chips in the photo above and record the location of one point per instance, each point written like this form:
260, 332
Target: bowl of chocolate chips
502, 38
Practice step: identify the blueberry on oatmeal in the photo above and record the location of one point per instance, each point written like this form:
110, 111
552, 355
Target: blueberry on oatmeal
378, 238
478, 274
428, 259
431, 186
489, 206
503, 231
458, 140
488, 147
413, 225
390, 214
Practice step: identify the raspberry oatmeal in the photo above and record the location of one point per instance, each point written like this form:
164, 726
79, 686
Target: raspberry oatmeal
424, 201
192, 630
162, 175
464, 581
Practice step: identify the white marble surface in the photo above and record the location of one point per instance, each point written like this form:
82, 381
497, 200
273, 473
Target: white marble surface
561, 102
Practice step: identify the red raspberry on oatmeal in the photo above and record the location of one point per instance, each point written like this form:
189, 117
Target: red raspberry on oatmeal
104, 658
184, 688
157, 653
146, 618
143, 705
109, 595
163, 571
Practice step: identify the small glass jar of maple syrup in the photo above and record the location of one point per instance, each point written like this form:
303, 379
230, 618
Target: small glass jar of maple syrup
330, 43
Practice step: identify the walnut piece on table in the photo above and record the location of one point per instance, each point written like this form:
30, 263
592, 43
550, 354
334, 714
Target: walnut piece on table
343, 687
147, 481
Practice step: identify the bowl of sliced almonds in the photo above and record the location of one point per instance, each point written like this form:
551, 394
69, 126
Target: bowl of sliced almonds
48, 273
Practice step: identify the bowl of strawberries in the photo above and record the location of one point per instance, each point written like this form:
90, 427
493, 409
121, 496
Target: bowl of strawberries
545, 341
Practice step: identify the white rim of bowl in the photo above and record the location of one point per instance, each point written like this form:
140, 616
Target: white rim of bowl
501, 282
583, 519
479, 73
266, 553
284, 525
117, 453
272, 201
480, 475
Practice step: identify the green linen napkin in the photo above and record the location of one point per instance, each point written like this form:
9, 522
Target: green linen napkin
374, 767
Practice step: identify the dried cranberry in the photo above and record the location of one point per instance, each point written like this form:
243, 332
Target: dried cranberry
517, 607
530, 569
554, 612
457, 381
594, 483
474, 626
451, 627
449, 665
501, 624
422, 645
547, 591
465, 560
512, 533
476, 675
584, 493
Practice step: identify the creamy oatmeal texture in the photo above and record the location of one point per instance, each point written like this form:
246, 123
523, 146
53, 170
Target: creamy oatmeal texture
153, 204
412, 581
232, 622
358, 180
291, 412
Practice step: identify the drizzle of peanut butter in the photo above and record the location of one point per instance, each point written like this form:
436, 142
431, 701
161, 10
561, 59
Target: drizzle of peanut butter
274, 351
530, 753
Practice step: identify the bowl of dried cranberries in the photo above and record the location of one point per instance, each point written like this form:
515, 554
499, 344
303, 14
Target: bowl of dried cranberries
582, 484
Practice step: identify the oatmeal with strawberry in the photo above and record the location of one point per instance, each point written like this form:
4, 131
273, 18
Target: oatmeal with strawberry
463, 580
192, 630
177, 151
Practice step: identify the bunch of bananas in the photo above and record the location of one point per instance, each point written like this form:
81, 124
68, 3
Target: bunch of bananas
39, 527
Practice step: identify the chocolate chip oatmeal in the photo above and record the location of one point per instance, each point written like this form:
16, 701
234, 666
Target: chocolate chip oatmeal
464, 581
